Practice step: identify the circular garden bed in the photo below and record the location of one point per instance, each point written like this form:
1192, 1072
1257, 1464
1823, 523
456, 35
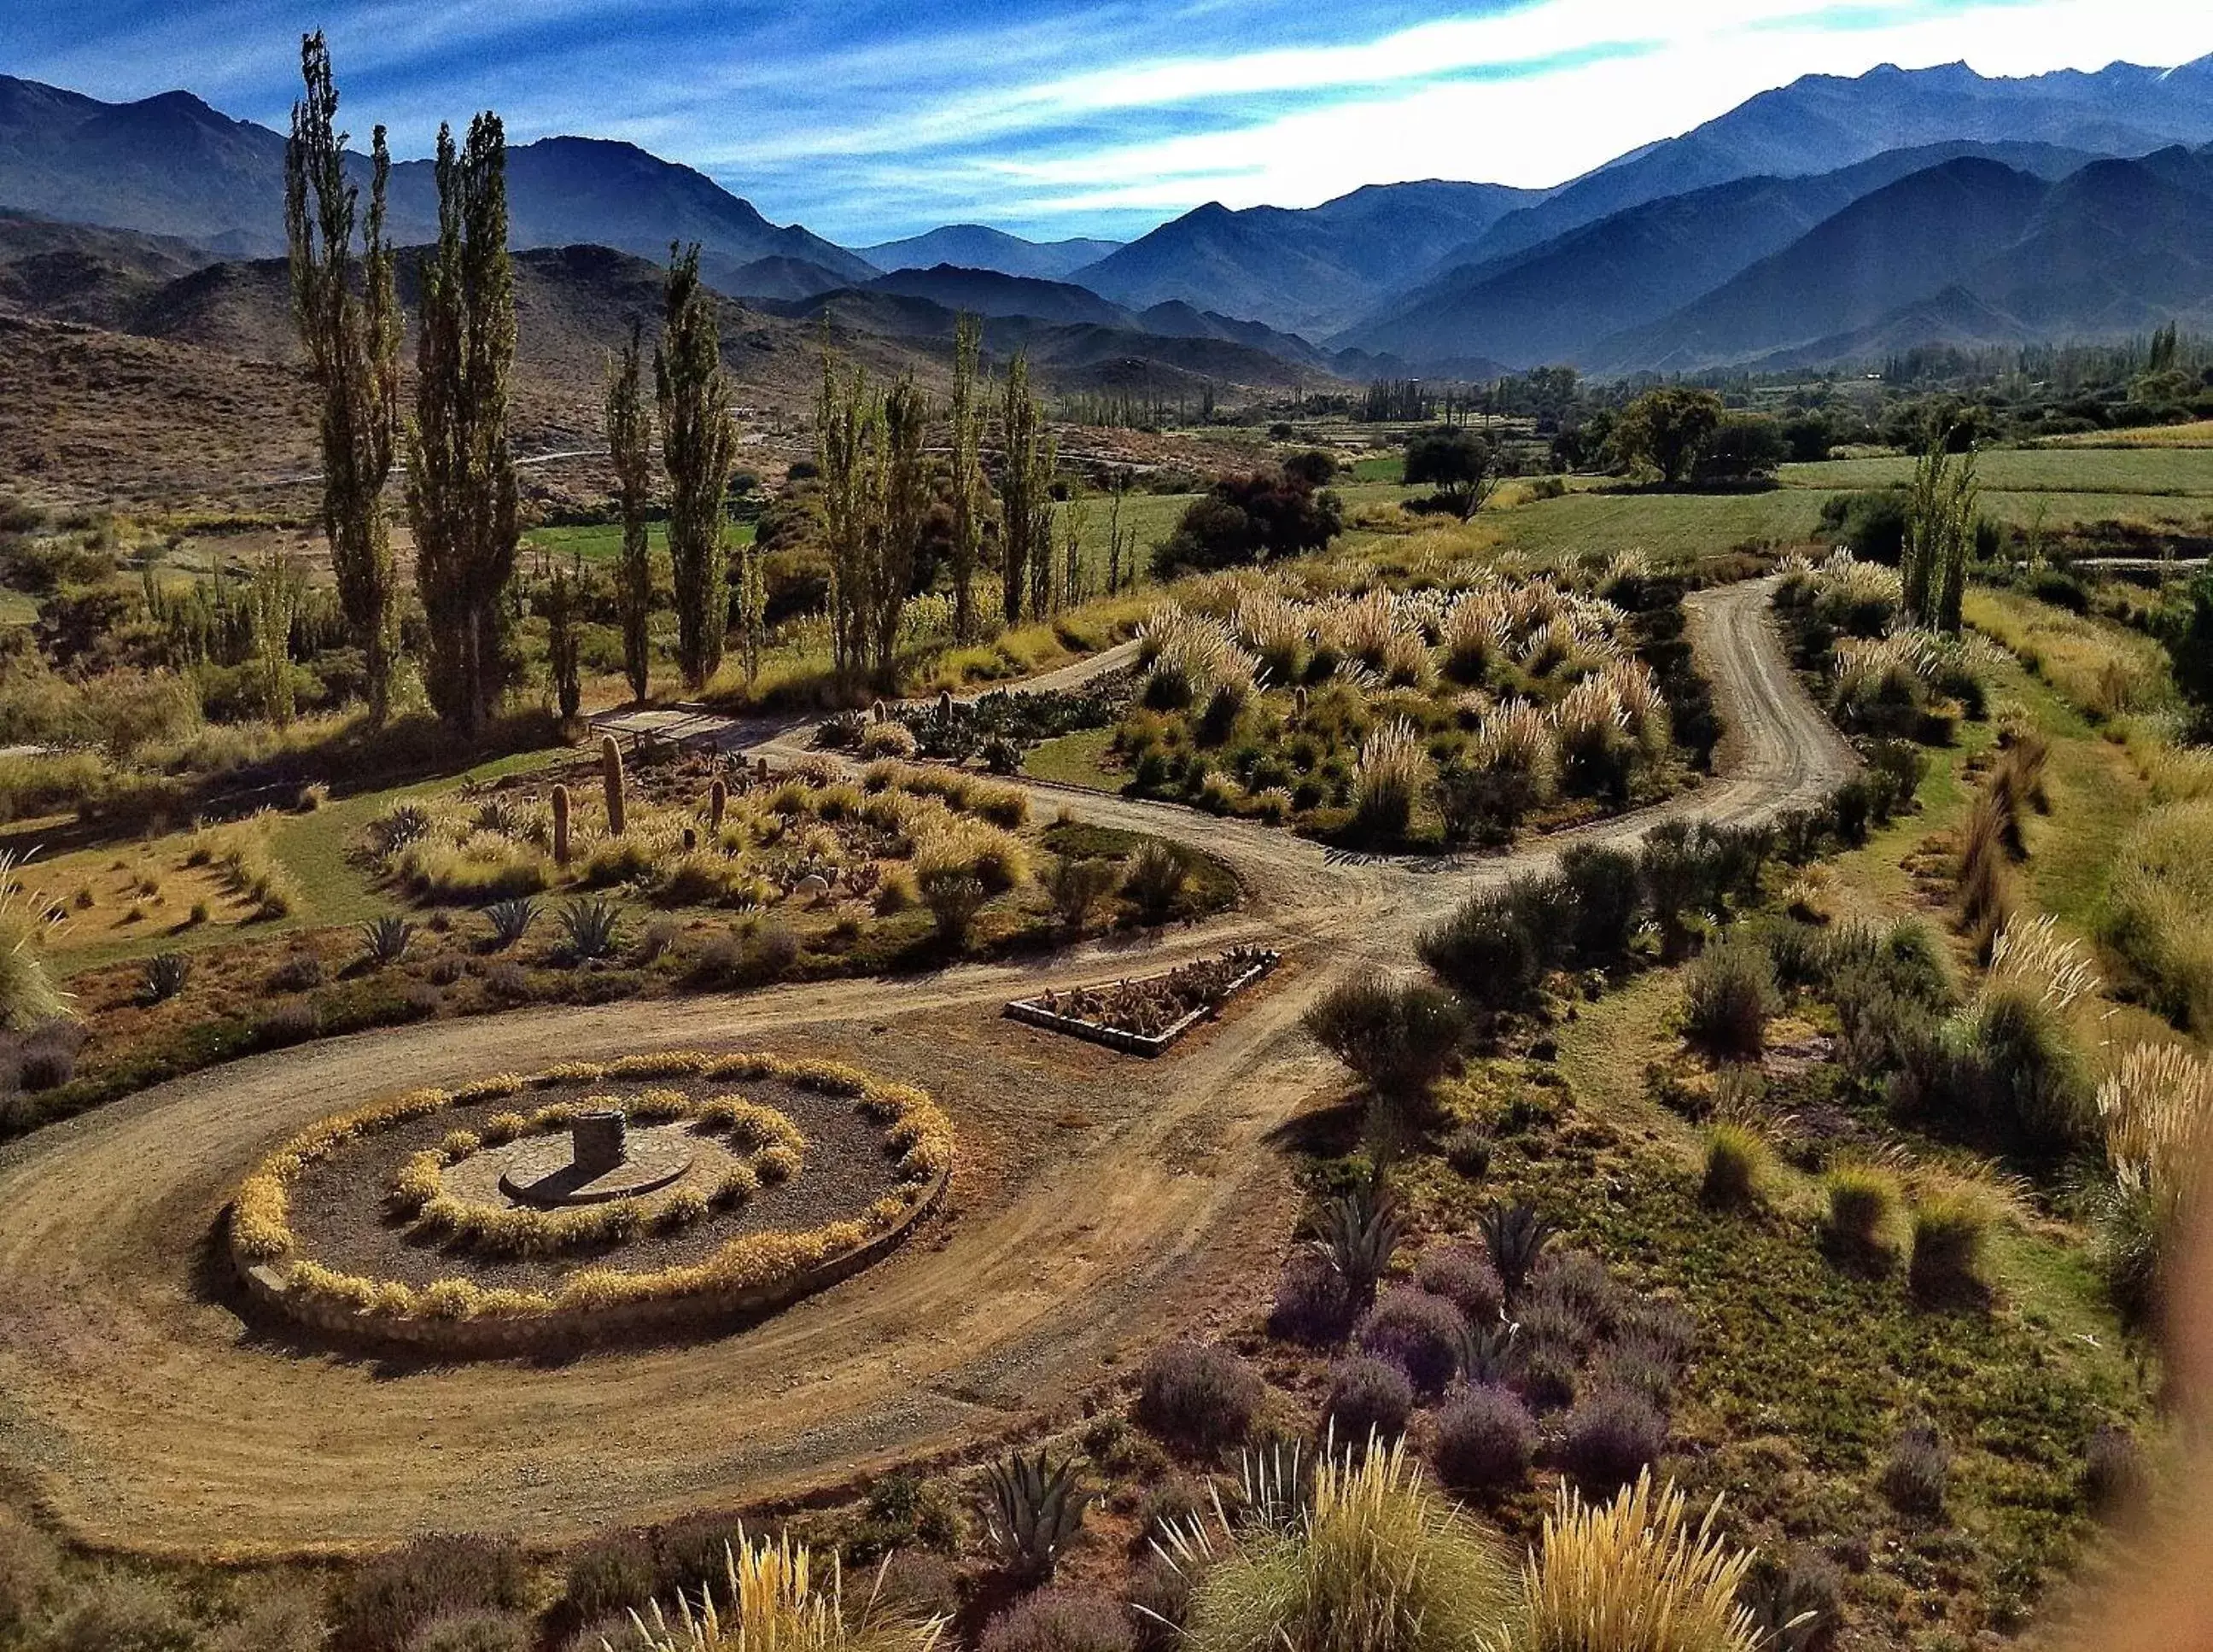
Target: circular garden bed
656, 1194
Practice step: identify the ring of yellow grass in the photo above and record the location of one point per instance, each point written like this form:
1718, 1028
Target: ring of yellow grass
914, 1128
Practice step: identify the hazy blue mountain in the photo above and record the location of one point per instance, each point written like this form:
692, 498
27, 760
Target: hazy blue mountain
1822, 122
992, 293
170, 165
1968, 251
83, 272
1550, 302
776, 277
977, 247
1309, 270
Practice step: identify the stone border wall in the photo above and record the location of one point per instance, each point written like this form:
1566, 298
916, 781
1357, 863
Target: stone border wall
565, 1330
1033, 1014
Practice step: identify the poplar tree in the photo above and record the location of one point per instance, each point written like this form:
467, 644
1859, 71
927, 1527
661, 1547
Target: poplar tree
847, 441
461, 477
966, 464
562, 646
1025, 502
630, 444
905, 493
698, 444
1939, 526
352, 345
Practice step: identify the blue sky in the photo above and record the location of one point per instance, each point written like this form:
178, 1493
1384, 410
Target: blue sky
869, 120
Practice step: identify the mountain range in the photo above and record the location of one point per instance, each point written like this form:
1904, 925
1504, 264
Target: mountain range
1815, 222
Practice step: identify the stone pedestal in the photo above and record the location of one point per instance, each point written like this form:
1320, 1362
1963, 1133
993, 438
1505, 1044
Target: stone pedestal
598, 1141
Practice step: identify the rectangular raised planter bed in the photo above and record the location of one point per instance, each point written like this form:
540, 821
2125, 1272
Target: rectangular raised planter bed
1036, 1014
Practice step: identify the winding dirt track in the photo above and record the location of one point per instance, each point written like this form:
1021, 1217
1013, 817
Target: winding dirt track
1098, 1200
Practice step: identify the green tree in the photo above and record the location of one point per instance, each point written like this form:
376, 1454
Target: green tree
460, 476
1460, 464
561, 645
630, 444
1667, 430
272, 603
1743, 448
351, 340
698, 443
2187, 628
966, 465
1025, 497
1940, 529
905, 493
848, 439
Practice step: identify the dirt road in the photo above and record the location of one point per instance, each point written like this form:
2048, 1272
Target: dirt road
1099, 1202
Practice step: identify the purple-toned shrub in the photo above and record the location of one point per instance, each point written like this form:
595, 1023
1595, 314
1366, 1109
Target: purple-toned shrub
1610, 1437
1313, 1304
1482, 1438
1368, 1399
1418, 1333
1061, 1620
1463, 1276
1202, 1396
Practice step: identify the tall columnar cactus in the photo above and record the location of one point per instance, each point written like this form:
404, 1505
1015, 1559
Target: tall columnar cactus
610, 774
560, 825
718, 799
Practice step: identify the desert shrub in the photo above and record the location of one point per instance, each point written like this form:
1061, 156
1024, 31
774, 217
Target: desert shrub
1392, 774
1202, 1396
1515, 1236
1916, 1476
1482, 1439
510, 920
1061, 1620
164, 976
121, 1611
1463, 1276
378, 1607
1798, 1606
300, 972
294, 1020
47, 1059
1613, 1436
1398, 1036
1160, 1604
474, 1631
1467, 1150
1547, 1375
1948, 1233
1606, 895
1860, 1221
1739, 1166
30, 1574
1077, 885
2160, 888
1727, 996
1032, 1509
1375, 1562
2114, 1477
1368, 1399
2031, 1083
591, 928
1636, 1574
891, 740
1577, 1284
1418, 1333
610, 1575
1495, 947
1155, 880
1313, 1304
954, 897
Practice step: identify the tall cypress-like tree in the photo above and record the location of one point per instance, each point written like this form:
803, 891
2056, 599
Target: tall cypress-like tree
847, 438
352, 345
1025, 500
906, 496
697, 446
966, 464
460, 477
1940, 527
630, 444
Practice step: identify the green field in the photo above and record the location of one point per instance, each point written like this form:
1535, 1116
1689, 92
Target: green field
2185, 472
1669, 527
602, 541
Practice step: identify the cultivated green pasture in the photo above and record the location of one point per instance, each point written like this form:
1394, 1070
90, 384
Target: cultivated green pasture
2066, 472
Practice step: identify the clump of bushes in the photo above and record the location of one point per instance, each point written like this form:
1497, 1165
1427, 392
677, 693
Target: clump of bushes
1061, 1620
1314, 1305
1918, 1472
1613, 1436
1739, 1166
1482, 1439
1368, 1399
1728, 994
1463, 1276
1418, 1333
1202, 1396
1949, 1229
1860, 1222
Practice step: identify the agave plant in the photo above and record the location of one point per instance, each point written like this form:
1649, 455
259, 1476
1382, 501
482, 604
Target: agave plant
591, 928
386, 939
1486, 1353
399, 826
1515, 1235
1357, 1236
1032, 1509
510, 920
165, 975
